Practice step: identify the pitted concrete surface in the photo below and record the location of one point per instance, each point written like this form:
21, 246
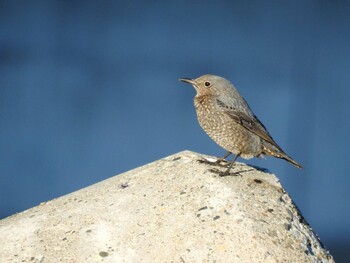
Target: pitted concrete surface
176, 209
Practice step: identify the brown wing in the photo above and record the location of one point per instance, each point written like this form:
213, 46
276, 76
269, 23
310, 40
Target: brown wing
250, 122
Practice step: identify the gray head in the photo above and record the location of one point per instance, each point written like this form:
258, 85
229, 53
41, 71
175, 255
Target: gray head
210, 85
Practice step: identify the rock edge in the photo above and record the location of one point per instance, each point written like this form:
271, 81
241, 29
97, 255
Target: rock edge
176, 209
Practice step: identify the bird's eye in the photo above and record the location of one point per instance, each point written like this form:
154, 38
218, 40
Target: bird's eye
207, 84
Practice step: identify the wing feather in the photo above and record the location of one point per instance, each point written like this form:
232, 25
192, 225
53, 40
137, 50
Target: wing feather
249, 121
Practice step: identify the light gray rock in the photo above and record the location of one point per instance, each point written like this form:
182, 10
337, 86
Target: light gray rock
173, 210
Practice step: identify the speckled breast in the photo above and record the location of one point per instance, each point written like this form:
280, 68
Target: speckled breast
224, 130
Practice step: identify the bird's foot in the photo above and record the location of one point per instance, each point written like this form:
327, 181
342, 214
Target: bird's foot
220, 160
211, 161
223, 173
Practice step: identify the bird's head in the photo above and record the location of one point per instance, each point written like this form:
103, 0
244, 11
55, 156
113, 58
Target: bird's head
209, 85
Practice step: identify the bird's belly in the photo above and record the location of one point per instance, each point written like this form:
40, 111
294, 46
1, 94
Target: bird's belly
230, 135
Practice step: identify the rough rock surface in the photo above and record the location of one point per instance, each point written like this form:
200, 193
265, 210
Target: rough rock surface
176, 209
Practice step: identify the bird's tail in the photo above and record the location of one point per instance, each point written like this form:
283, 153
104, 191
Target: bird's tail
271, 150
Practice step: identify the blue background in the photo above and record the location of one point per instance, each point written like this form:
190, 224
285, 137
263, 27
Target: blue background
89, 89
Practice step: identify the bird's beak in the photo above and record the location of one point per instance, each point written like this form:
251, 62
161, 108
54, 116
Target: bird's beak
187, 80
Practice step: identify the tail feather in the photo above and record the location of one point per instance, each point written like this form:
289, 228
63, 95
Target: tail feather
278, 153
289, 159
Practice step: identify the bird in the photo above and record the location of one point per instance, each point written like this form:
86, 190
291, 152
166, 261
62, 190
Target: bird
228, 120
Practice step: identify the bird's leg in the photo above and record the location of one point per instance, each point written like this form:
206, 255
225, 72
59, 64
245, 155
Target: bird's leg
227, 172
219, 160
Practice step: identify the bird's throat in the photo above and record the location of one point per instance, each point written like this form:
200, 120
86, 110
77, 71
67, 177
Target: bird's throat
202, 99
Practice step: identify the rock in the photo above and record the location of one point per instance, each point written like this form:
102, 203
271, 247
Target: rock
177, 209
